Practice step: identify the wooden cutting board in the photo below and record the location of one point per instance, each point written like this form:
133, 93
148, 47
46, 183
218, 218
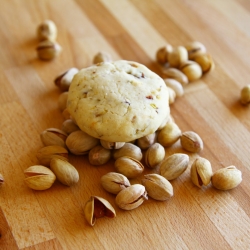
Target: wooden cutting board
132, 30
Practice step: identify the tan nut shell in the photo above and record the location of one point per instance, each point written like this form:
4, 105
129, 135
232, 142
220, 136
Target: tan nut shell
174, 165
79, 142
227, 178
65, 172
158, 187
178, 56
97, 207
47, 30
99, 155
195, 48
201, 172
154, 155
175, 85
129, 167
191, 142
245, 95
112, 145
129, 150
162, 54
176, 74
39, 177
53, 136
69, 126
114, 182
62, 100
1, 179
131, 197
192, 70
146, 141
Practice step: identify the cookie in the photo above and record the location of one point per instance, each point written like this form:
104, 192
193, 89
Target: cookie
118, 101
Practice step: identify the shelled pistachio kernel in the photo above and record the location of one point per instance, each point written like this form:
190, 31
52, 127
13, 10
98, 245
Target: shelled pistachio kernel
178, 56
112, 145
47, 30
131, 197
99, 155
201, 172
195, 48
39, 177
154, 155
97, 207
146, 141
245, 95
191, 142
48, 50
205, 61
65, 172
62, 100
169, 134
174, 165
158, 187
68, 126
129, 167
192, 70
226, 178
80, 143
114, 182
45, 154
175, 85
63, 81
1, 180
129, 150
53, 136
176, 74
102, 57
162, 53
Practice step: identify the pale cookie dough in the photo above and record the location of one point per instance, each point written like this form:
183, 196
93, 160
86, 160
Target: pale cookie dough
118, 101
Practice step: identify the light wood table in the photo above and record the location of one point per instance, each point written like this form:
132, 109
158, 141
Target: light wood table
133, 30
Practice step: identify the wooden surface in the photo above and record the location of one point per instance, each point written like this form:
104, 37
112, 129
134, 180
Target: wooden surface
132, 30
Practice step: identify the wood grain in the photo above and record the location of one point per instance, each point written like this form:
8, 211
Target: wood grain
133, 30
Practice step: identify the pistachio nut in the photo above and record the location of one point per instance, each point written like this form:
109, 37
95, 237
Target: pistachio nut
175, 74
97, 207
99, 155
63, 81
191, 142
65, 172
162, 53
114, 182
192, 70
146, 141
102, 57
131, 197
1, 180
39, 177
45, 154
245, 95
205, 61
174, 165
169, 134
47, 30
129, 167
175, 85
129, 150
53, 136
195, 48
69, 126
154, 155
79, 142
111, 145
48, 50
201, 172
177, 56
171, 95
227, 178
157, 187
164, 122
62, 100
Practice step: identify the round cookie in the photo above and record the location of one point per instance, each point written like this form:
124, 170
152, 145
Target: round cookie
118, 101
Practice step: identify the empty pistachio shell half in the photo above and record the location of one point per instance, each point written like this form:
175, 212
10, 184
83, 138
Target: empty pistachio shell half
227, 178
97, 207
201, 172
131, 197
45, 154
174, 165
39, 177
65, 172
158, 187
114, 182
